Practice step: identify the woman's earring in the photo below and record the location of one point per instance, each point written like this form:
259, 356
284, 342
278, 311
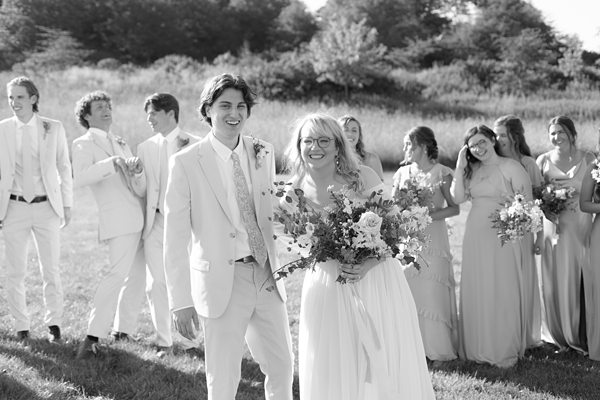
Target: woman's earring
337, 163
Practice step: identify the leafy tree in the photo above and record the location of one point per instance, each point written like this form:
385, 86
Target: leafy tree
347, 53
294, 25
17, 35
571, 63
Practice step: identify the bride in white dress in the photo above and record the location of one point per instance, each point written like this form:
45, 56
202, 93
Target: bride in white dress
359, 340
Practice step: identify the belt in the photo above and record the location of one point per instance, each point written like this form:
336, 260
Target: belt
36, 199
246, 260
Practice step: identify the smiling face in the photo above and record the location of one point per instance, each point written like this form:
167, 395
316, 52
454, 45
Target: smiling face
100, 115
558, 135
317, 149
352, 132
504, 139
481, 147
160, 121
20, 102
412, 151
228, 114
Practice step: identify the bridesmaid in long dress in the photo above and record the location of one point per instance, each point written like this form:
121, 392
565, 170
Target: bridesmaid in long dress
433, 286
359, 340
491, 307
564, 255
354, 134
511, 138
589, 202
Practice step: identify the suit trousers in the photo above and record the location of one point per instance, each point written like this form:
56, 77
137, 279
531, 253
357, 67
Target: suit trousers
21, 221
122, 252
147, 271
256, 313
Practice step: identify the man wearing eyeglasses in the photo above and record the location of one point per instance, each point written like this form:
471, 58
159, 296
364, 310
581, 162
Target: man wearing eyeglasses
218, 196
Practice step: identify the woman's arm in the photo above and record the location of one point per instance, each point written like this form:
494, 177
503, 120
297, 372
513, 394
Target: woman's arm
452, 209
586, 194
457, 189
373, 161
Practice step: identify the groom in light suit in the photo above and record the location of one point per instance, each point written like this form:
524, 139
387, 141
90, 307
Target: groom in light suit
36, 193
218, 196
162, 113
105, 163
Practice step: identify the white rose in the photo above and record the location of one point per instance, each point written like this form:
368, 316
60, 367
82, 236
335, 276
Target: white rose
561, 194
370, 222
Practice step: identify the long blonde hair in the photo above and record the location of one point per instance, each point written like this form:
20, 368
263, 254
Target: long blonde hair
347, 164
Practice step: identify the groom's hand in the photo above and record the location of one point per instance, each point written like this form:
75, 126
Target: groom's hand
185, 320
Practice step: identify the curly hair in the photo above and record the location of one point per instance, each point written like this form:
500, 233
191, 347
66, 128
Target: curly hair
83, 107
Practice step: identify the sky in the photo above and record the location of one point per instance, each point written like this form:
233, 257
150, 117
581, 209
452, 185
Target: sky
579, 17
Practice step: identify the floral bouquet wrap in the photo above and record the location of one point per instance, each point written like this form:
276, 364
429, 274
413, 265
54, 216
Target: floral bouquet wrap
349, 230
517, 218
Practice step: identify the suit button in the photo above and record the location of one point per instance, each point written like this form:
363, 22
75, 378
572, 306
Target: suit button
232, 235
230, 262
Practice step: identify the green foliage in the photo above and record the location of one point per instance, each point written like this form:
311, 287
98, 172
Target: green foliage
17, 35
294, 25
347, 53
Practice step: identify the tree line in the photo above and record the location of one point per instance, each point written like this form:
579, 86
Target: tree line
348, 46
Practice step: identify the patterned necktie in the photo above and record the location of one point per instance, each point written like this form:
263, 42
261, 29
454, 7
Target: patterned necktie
164, 173
27, 163
246, 206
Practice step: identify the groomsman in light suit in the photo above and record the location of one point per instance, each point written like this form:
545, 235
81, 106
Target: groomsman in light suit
117, 180
162, 111
36, 193
218, 196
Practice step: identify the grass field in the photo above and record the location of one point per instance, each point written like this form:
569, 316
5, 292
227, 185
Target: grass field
132, 371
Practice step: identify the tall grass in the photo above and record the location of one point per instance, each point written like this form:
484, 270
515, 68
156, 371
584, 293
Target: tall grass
384, 127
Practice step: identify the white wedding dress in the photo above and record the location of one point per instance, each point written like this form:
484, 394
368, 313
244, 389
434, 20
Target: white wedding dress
361, 341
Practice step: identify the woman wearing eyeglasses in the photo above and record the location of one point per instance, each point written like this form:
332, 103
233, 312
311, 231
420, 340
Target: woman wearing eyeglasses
433, 285
346, 351
491, 308
566, 240
354, 134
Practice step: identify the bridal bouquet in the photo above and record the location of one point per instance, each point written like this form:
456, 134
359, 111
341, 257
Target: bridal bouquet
596, 177
554, 199
517, 218
349, 230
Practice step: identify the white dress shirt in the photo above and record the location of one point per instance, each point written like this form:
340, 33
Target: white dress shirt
38, 184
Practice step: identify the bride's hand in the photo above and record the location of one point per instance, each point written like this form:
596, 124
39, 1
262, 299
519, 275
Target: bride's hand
355, 272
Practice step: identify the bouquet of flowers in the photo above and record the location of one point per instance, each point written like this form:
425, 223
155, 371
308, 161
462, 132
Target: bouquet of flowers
596, 177
349, 231
554, 199
413, 192
517, 218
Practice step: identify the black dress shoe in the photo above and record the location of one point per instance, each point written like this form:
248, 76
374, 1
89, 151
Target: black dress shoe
54, 334
87, 349
22, 335
118, 336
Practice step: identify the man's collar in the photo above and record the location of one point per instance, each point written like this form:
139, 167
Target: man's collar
31, 123
173, 134
98, 132
223, 151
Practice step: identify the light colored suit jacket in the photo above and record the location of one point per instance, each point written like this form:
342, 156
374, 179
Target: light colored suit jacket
120, 209
149, 152
196, 208
54, 162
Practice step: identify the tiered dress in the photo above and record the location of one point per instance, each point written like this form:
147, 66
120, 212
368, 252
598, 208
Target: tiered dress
433, 286
360, 341
565, 263
491, 307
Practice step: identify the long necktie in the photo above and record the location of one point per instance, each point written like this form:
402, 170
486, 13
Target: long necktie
27, 164
164, 173
246, 206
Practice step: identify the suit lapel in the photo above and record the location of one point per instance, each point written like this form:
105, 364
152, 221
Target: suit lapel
255, 176
42, 136
104, 145
11, 142
208, 162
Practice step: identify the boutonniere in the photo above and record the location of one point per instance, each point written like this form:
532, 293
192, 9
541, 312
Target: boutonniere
259, 150
182, 142
46, 126
120, 141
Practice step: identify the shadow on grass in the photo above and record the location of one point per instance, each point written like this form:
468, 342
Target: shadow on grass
542, 370
121, 371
